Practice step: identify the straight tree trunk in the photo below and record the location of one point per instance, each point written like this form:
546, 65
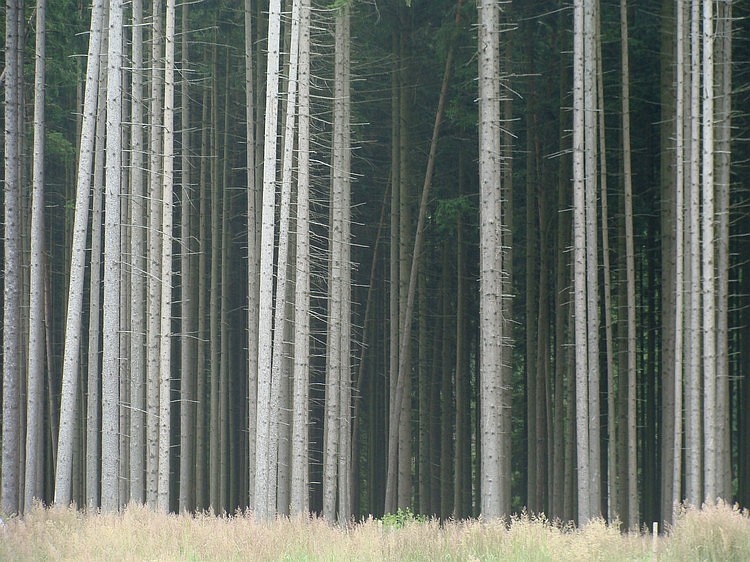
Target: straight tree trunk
138, 265
280, 359
154, 265
252, 249
693, 382
299, 495
722, 155
708, 253
579, 270
632, 517
265, 458
590, 38
36, 353
165, 331
111, 304
11, 429
187, 289
94, 371
494, 402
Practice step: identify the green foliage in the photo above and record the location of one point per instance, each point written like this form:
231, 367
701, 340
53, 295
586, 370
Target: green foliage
338, 4
448, 211
401, 518
57, 146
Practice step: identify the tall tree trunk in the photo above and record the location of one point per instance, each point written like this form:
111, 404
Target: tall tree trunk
265, 458
36, 353
154, 265
94, 372
12, 382
693, 386
111, 304
579, 268
165, 330
138, 266
708, 279
722, 152
632, 517
187, 289
493, 392
252, 248
73, 324
299, 494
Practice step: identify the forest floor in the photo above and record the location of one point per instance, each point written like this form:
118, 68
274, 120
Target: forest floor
714, 533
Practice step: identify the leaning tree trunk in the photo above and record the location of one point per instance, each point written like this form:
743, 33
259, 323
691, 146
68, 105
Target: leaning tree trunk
73, 324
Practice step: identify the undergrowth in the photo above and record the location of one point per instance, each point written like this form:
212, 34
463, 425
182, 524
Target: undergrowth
717, 532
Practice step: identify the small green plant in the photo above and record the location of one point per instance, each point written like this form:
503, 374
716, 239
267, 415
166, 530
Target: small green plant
401, 518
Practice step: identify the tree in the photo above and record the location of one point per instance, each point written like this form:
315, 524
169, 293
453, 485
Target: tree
11, 456
494, 402
301, 376
138, 265
73, 331
165, 342
111, 304
265, 498
36, 354
632, 518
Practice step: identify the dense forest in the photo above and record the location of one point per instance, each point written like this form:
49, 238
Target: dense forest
461, 257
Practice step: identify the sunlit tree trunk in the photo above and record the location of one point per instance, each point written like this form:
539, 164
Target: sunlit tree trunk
153, 266
494, 402
111, 304
94, 371
138, 265
165, 331
265, 458
281, 351
36, 354
73, 324
693, 380
299, 502
579, 268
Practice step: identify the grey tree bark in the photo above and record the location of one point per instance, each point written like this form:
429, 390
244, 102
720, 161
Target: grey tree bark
73, 324
493, 390
36, 354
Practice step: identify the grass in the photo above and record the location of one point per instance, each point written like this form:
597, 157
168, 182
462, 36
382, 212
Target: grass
714, 533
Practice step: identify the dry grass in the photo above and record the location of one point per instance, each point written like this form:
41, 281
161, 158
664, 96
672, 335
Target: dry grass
714, 533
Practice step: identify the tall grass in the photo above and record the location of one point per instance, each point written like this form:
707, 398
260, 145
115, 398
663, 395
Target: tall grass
714, 533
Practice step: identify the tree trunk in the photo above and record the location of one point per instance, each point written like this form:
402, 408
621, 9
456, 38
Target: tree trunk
36, 353
165, 330
138, 266
187, 290
154, 264
632, 516
73, 324
493, 393
94, 372
299, 495
252, 249
265, 457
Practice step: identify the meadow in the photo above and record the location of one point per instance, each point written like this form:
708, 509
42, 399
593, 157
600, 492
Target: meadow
714, 533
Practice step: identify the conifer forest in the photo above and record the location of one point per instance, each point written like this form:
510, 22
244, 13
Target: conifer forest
349, 257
